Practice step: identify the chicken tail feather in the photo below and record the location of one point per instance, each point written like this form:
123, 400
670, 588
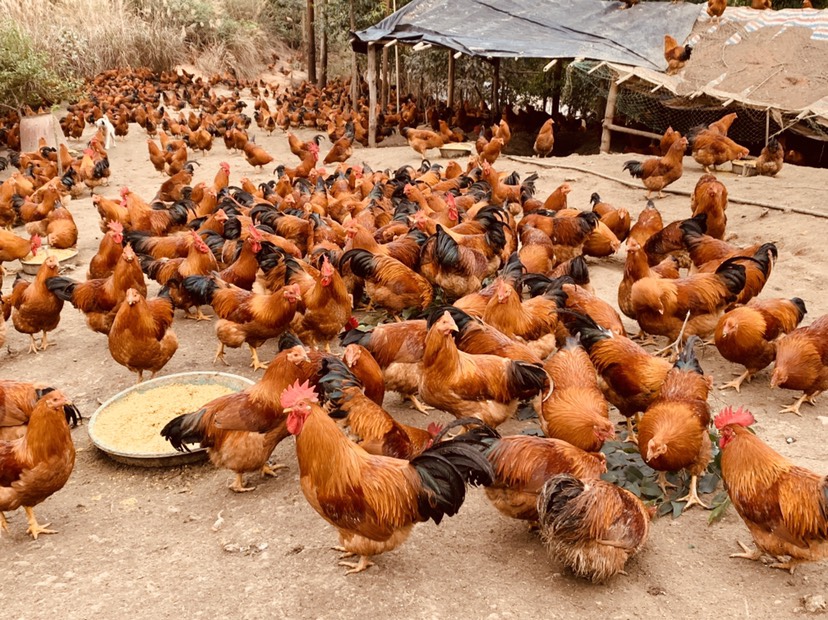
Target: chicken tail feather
185, 429
62, 288
635, 168
201, 288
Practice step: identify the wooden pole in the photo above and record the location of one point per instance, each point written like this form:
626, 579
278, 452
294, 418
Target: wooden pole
354, 65
372, 96
556, 90
384, 85
496, 89
310, 35
322, 79
451, 72
609, 113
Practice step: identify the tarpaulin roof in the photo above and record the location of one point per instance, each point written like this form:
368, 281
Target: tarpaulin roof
589, 29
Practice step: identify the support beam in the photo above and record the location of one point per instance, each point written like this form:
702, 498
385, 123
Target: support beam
496, 88
609, 113
384, 86
372, 96
451, 71
556, 90
633, 132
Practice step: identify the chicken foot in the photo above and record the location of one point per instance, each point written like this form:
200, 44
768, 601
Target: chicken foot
36, 529
256, 364
424, 409
357, 567
198, 315
238, 485
789, 565
794, 408
33, 348
692, 498
4, 525
676, 344
631, 436
747, 553
270, 470
736, 384
44, 342
220, 354
644, 338
663, 483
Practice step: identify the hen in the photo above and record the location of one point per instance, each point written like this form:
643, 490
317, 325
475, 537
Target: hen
141, 337
711, 148
592, 527
422, 139
374, 501
676, 55
771, 159
658, 172
672, 433
37, 465
802, 363
748, 335
545, 141
388, 282
35, 307
241, 430
784, 506
18, 400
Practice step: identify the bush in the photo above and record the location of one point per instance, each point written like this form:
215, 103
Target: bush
25, 75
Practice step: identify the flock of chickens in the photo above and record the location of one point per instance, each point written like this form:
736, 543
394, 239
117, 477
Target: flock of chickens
489, 302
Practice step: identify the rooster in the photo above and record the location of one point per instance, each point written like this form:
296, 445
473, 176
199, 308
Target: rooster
784, 506
657, 173
592, 527
374, 501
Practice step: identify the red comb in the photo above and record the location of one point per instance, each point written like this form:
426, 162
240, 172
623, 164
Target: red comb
739, 416
115, 227
297, 393
434, 429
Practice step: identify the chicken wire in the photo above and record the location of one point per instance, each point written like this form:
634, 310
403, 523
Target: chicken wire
585, 92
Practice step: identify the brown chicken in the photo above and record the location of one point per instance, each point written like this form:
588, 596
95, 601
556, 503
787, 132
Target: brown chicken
35, 307
99, 299
244, 316
109, 252
670, 136
649, 222
802, 363
783, 505
676, 55
616, 219
18, 400
37, 465
545, 141
141, 337
365, 368
710, 197
771, 159
422, 139
13, 247
367, 422
557, 199
342, 149
487, 387
715, 9
636, 267
389, 283
576, 411
522, 464
748, 335
761, 4
241, 430
672, 433
711, 148
658, 172
373, 501
632, 377
58, 228
256, 156
590, 526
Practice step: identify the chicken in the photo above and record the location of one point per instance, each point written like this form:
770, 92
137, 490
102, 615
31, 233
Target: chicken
576, 411
326, 303
13, 247
592, 527
373, 501
141, 337
711, 148
748, 335
658, 172
58, 228
244, 316
487, 387
545, 141
710, 197
522, 464
300, 148
632, 377
422, 139
171, 273
761, 4
771, 159
672, 433
491, 151
676, 55
37, 465
256, 156
802, 363
389, 283
18, 400
241, 430
686, 306
341, 150
722, 126
715, 8
109, 252
365, 368
616, 219
35, 307
649, 222
557, 199
367, 422
636, 268
670, 136
99, 299
784, 506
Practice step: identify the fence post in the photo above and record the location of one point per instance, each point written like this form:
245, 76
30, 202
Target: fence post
372, 96
609, 113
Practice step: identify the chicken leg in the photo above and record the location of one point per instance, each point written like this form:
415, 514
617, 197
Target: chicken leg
736, 384
4, 525
357, 567
424, 409
44, 342
794, 408
270, 470
789, 565
220, 354
35, 529
238, 485
631, 436
748, 554
663, 483
33, 348
692, 498
256, 364
198, 315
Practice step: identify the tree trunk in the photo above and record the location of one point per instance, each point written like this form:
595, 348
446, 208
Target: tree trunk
323, 46
310, 42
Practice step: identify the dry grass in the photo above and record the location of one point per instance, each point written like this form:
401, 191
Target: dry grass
84, 37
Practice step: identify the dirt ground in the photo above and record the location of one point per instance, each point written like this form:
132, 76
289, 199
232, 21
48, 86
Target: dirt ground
140, 543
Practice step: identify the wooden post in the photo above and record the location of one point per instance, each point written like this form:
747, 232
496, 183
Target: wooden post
322, 79
384, 86
451, 71
496, 89
372, 96
556, 90
310, 34
609, 113
354, 65
767, 126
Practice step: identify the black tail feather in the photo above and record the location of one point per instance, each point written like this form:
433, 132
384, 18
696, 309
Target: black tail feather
201, 288
63, 288
185, 429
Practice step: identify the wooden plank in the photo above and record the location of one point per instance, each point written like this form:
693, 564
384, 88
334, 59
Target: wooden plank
631, 131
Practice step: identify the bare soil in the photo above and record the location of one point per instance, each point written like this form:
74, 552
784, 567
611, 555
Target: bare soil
141, 543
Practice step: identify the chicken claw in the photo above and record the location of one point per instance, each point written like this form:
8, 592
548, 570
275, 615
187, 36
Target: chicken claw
692, 498
794, 408
736, 384
663, 483
357, 567
631, 436
424, 409
33, 348
256, 364
198, 316
44, 342
220, 355
35, 529
4, 525
345, 553
748, 554
270, 470
789, 565
238, 485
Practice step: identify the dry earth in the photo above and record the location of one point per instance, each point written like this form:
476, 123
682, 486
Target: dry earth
138, 543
